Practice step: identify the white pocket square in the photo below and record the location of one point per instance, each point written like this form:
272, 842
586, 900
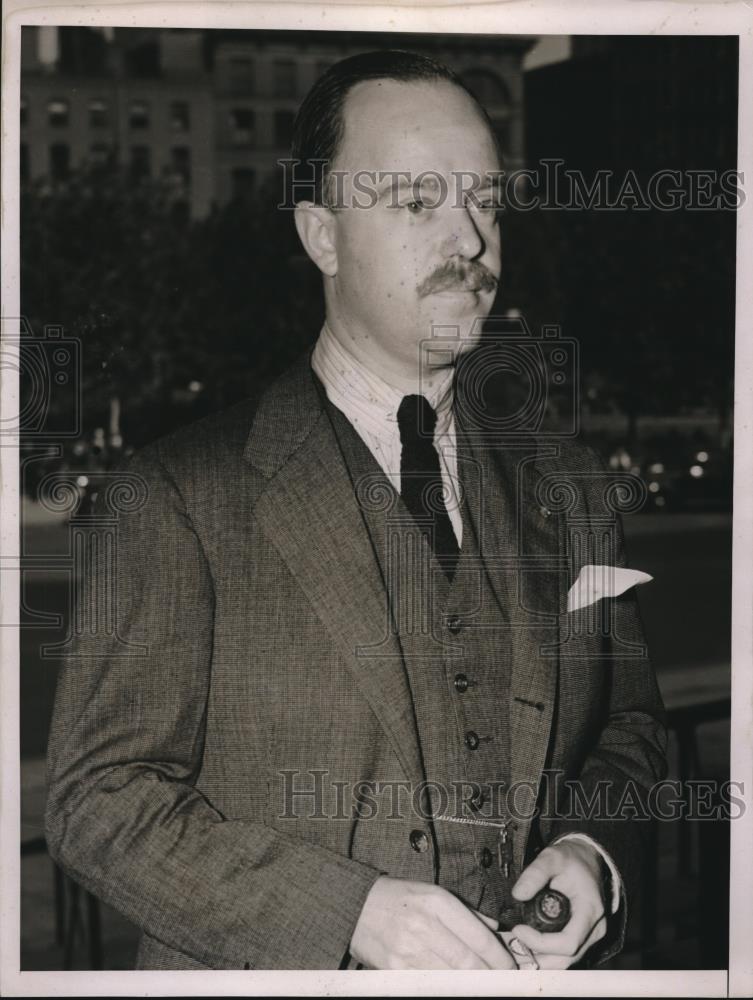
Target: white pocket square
595, 582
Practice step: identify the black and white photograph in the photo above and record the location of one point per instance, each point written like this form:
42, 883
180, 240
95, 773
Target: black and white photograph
376, 401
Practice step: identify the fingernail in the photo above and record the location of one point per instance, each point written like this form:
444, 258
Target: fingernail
528, 962
518, 948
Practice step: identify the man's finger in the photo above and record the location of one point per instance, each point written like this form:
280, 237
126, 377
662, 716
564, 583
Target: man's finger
429, 959
551, 961
566, 942
598, 932
524, 957
536, 875
489, 921
555, 961
463, 941
456, 954
494, 953
475, 933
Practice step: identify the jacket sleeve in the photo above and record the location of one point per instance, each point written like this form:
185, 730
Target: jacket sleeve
124, 817
611, 800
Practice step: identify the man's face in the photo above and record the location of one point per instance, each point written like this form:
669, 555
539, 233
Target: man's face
403, 266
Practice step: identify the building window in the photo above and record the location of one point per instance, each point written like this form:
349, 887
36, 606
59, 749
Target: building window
143, 60
24, 164
244, 183
81, 51
58, 113
284, 127
141, 164
60, 161
24, 112
180, 157
138, 115
97, 114
241, 74
180, 116
99, 155
285, 78
243, 126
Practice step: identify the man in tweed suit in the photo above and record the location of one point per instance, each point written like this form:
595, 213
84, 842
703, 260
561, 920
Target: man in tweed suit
299, 746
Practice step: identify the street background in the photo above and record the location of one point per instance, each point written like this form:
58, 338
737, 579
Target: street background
154, 255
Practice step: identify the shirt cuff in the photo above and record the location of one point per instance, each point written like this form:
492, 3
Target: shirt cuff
616, 878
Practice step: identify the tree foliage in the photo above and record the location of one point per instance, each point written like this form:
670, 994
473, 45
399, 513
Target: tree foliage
159, 300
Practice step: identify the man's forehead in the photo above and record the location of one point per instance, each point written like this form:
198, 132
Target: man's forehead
414, 125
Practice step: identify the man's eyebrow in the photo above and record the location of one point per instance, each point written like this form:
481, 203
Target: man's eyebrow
397, 182
488, 183
493, 186
391, 182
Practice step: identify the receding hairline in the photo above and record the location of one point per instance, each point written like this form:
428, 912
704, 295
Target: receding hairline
415, 83
319, 130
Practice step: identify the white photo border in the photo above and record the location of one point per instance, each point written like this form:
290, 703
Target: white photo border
581, 17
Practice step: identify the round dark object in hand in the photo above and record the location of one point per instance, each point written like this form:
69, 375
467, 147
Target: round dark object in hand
548, 911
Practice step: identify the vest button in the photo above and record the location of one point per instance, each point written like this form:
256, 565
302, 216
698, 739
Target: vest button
419, 841
454, 624
461, 683
471, 740
486, 858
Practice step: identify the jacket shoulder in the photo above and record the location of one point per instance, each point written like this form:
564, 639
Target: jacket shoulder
569, 454
198, 467
208, 459
213, 441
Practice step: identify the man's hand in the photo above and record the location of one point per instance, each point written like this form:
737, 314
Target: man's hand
412, 925
573, 867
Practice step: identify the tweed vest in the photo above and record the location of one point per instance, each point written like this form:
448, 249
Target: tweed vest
455, 651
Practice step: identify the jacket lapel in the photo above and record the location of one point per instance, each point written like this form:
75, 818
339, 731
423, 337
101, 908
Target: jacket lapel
309, 512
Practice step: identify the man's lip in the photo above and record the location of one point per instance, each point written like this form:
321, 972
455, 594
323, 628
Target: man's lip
462, 288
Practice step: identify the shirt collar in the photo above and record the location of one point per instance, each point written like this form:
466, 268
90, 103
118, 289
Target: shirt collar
364, 397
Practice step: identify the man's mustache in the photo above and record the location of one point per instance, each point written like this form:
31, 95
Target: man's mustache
464, 275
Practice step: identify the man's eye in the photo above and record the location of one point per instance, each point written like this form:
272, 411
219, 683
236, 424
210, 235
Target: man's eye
415, 206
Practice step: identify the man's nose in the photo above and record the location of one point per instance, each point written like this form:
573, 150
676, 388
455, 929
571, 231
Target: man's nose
464, 237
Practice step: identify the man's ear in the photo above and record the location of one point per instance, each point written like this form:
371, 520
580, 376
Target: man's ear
316, 229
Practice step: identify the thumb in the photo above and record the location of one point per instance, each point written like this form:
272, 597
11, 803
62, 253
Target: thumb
535, 876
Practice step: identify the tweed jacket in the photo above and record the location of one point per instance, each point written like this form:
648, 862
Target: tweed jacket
197, 752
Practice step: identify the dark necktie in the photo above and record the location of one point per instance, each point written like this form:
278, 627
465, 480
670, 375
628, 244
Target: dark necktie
421, 478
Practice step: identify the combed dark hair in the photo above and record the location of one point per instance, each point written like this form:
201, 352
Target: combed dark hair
319, 125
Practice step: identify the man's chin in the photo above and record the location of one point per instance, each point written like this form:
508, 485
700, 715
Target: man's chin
465, 311
456, 329
446, 351
470, 342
